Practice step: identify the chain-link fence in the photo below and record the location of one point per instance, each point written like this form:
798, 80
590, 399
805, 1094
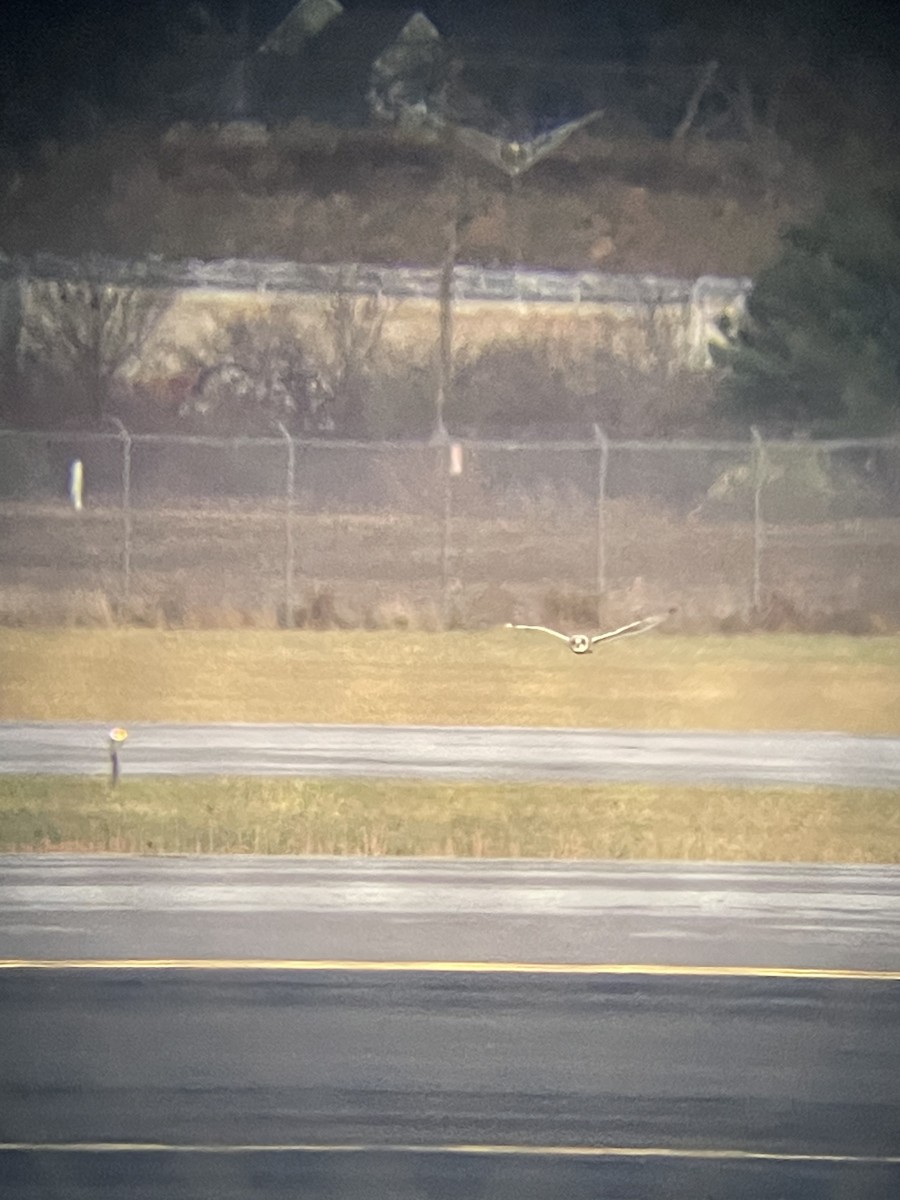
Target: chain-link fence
323, 531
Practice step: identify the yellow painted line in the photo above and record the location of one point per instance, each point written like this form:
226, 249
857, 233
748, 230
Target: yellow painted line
667, 1152
454, 968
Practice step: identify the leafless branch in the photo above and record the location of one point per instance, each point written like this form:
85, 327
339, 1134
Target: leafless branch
707, 75
85, 333
354, 325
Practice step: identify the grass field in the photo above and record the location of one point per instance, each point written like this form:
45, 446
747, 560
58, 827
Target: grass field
499, 677
492, 821
205, 565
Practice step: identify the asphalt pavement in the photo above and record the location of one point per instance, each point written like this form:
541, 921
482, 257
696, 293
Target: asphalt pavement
459, 753
378, 909
368, 1083
484, 1077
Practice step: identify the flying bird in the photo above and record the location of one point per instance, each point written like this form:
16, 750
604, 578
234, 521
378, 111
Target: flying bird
514, 158
583, 643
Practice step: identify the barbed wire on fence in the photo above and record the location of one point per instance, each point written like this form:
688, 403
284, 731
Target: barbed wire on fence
737, 518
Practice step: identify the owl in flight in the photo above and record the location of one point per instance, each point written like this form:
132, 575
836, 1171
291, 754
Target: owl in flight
583, 643
516, 157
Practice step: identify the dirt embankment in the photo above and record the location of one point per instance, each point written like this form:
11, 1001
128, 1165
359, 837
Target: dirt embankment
614, 202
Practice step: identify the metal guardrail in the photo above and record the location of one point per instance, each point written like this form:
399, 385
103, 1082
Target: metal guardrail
469, 282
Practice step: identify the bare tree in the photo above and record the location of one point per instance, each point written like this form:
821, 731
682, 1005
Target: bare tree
257, 372
353, 325
77, 337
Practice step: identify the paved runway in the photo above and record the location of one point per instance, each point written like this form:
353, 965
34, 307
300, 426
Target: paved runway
708, 1069
372, 751
58, 907
406, 1175
268, 1081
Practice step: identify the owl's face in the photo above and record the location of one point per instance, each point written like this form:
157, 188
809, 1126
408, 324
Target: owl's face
580, 643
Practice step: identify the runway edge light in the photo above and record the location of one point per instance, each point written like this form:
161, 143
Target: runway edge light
117, 737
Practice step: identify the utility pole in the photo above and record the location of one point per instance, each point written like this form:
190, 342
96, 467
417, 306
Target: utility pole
445, 343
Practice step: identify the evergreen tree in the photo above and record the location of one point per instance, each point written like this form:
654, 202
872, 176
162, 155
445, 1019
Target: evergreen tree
818, 350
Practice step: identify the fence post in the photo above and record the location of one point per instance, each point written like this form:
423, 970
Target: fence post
444, 451
600, 529
290, 478
76, 484
126, 509
759, 527
445, 454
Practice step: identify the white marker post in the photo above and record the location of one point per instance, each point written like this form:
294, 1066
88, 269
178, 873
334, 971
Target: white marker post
76, 483
454, 467
116, 738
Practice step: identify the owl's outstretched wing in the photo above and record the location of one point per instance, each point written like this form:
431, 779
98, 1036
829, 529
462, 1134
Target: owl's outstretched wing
486, 145
644, 625
540, 629
547, 142
516, 157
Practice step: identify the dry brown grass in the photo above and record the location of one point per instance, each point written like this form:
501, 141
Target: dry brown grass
224, 567
497, 677
382, 197
85, 607
435, 819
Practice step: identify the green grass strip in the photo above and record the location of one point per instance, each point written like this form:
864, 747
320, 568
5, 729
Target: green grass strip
292, 816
